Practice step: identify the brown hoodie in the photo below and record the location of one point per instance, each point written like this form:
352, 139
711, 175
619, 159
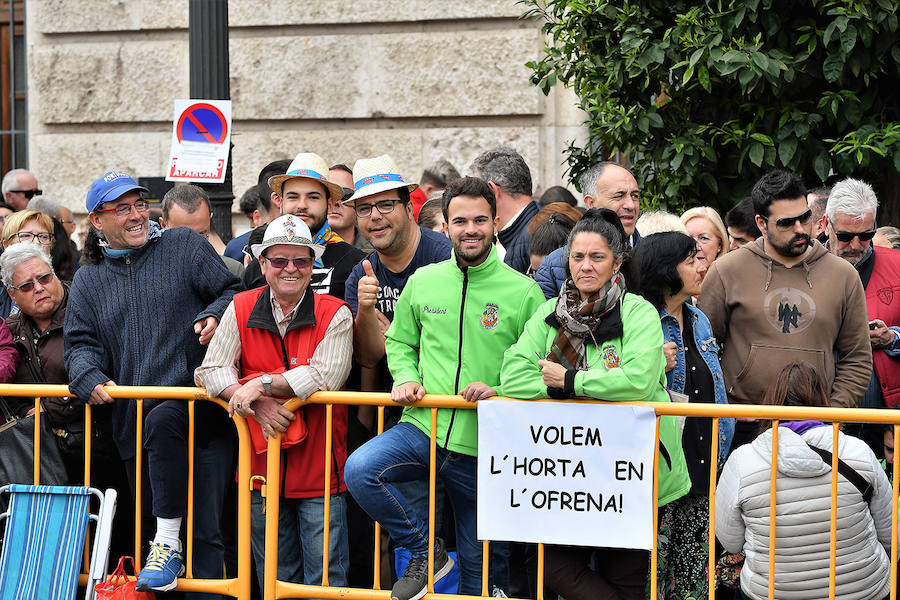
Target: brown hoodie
766, 315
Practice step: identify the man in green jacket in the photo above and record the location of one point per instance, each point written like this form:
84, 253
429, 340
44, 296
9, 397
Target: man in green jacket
452, 323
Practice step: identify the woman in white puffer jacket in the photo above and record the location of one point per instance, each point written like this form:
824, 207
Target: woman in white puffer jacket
803, 504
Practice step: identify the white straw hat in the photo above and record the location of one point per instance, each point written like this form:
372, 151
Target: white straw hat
307, 165
287, 229
374, 175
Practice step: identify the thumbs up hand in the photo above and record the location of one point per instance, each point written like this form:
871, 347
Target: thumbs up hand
367, 289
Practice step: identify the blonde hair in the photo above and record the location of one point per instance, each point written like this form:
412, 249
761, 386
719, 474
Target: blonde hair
16, 221
658, 221
713, 217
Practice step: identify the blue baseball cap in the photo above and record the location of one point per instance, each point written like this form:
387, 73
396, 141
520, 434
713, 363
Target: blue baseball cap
110, 187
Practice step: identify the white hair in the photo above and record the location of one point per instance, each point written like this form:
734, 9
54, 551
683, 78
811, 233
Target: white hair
15, 255
10, 180
658, 221
46, 205
851, 197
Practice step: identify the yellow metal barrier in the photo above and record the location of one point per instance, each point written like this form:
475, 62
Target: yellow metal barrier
239, 586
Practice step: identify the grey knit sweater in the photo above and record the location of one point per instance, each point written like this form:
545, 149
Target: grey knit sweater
130, 319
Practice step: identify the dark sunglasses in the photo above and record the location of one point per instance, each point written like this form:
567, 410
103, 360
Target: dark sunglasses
847, 236
29, 285
786, 223
303, 262
29, 193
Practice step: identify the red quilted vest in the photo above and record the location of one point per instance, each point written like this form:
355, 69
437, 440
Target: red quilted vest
262, 351
883, 302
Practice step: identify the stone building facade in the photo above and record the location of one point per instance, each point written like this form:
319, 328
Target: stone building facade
419, 79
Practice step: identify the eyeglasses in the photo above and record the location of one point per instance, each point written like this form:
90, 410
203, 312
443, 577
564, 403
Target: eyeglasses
28, 193
27, 236
847, 236
787, 223
28, 286
278, 262
385, 207
123, 210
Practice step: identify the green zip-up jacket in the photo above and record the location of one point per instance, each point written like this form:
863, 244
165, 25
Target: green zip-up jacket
629, 368
451, 327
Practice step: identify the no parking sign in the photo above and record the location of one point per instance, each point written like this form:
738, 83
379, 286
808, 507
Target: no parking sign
200, 140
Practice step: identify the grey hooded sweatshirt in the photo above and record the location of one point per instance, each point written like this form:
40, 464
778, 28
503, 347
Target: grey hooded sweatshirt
765, 315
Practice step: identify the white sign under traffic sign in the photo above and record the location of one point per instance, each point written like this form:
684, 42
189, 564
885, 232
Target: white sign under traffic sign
201, 136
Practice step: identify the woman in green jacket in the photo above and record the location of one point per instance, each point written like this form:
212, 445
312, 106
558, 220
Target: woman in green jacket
597, 341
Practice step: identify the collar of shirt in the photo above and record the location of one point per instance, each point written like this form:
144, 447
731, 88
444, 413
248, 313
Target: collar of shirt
282, 319
512, 221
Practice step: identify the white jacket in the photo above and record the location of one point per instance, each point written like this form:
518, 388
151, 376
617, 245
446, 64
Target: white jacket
803, 518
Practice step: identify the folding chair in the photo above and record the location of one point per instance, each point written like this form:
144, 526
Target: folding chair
44, 541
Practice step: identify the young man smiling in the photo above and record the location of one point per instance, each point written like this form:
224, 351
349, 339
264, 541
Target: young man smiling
784, 298
452, 324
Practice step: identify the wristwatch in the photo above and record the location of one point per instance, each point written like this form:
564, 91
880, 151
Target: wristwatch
267, 383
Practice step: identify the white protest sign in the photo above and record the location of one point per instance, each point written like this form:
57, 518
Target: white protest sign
566, 473
201, 136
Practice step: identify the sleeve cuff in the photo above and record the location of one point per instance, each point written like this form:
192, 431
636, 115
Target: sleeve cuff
569, 387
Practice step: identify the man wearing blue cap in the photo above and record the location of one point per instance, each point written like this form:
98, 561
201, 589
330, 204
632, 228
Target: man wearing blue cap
134, 270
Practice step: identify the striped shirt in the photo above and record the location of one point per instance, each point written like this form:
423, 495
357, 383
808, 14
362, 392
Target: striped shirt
327, 369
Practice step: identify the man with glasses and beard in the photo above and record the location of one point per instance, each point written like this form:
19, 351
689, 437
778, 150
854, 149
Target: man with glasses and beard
850, 226
784, 298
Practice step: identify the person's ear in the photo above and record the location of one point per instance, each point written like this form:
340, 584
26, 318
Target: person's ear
95, 221
162, 223
276, 201
589, 201
761, 224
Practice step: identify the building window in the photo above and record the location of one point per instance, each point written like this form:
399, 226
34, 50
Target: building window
13, 84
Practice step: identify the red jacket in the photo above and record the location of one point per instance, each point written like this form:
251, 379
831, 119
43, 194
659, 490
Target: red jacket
263, 351
883, 302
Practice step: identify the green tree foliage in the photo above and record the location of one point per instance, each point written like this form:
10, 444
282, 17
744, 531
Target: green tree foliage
704, 96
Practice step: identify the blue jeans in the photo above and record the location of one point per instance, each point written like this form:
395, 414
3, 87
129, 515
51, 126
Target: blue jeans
401, 454
301, 533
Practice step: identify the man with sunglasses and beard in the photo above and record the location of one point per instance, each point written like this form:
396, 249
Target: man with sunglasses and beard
850, 226
785, 298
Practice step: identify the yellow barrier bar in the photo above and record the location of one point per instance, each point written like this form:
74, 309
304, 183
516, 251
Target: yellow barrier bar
272, 499
329, 415
653, 556
87, 479
895, 482
485, 566
772, 499
190, 491
432, 476
138, 480
376, 571
245, 449
37, 441
832, 543
540, 572
713, 470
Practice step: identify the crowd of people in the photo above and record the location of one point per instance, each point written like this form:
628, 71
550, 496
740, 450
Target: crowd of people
356, 279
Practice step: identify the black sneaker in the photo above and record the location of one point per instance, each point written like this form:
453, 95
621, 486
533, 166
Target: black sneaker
414, 582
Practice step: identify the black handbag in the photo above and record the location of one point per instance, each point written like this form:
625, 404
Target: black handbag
17, 452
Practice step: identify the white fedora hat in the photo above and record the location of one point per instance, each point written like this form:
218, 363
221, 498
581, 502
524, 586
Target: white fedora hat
374, 175
287, 229
307, 165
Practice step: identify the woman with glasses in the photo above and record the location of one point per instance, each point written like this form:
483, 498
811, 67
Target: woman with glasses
597, 341
706, 227
23, 226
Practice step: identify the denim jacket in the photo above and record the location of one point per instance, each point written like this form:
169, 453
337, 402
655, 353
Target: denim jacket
709, 349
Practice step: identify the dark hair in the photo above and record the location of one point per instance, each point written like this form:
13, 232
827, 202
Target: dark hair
91, 252
557, 193
429, 212
776, 185
256, 197
505, 168
797, 384
276, 167
550, 235
256, 236
605, 223
341, 167
743, 218
656, 261
7, 206
61, 253
561, 209
439, 174
187, 196
468, 186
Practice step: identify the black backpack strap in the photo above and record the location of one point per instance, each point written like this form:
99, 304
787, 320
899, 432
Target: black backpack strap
849, 473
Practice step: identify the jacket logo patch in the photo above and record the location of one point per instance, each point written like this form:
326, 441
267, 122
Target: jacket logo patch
294, 361
491, 316
789, 310
610, 357
886, 295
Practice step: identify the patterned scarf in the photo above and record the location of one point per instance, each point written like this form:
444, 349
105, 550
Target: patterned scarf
579, 318
325, 236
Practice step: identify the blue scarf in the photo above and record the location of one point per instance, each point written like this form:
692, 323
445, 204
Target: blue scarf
325, 236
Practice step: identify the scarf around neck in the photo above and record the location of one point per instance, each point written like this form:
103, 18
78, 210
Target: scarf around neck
579, 318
